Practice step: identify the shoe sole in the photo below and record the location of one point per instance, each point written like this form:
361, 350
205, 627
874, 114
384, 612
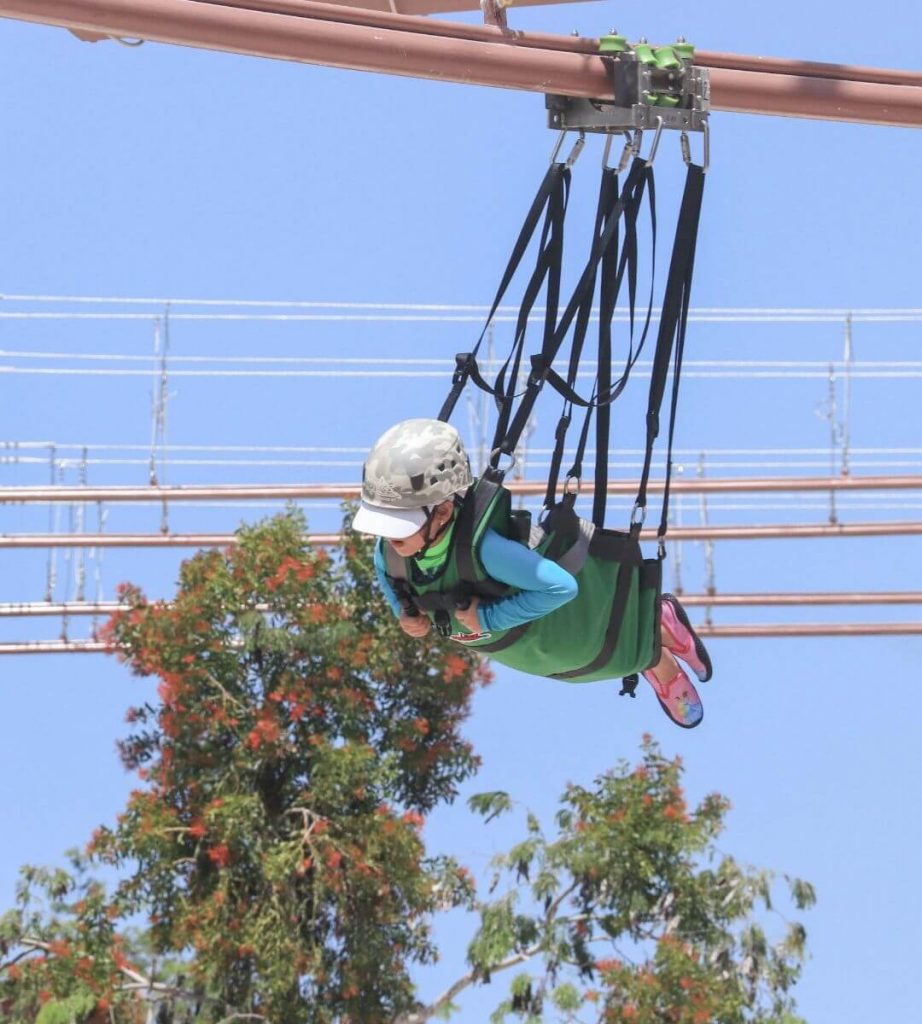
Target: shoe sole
666, 709
675, 721
700, 649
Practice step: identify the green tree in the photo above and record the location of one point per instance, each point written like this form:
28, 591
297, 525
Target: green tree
270, 866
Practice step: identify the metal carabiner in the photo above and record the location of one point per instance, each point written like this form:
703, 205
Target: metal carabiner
574, 152
655, 146
706, 143
626, 153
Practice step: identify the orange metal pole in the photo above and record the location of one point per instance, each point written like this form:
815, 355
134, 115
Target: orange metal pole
570, 44
839, 629
69, 609
787, 600
212, 540
291, 492
466, 58
775, 631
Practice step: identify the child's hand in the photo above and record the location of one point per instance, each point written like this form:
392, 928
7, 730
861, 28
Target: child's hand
468, 616
414, 625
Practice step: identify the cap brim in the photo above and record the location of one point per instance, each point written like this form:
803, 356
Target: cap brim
393, 523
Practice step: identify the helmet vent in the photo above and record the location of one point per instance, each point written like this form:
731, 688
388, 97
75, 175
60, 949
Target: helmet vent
417, 482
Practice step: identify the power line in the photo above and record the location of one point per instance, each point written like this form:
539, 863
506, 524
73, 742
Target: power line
825, 365
839, 312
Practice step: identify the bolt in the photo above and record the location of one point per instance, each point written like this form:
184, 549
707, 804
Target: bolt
642, 39
681, 39
575, 32
613, 32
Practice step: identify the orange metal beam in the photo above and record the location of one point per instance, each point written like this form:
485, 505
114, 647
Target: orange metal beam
775, 631
71, 609
350, 492
791, 531
393, 47
838, 629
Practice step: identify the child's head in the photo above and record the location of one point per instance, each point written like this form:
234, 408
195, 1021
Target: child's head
409, 482
428, 533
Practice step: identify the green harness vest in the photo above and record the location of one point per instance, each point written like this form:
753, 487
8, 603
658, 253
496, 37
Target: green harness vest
610, 629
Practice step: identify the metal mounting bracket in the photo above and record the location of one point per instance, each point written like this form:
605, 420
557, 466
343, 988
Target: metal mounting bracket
649, 88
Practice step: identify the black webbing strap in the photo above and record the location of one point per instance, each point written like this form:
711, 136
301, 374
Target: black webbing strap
670, 342
548, 268
607, 392
608, 197
474, 507
612, 275
542, 363
556, 183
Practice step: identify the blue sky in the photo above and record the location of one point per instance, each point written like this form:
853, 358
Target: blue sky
171, 173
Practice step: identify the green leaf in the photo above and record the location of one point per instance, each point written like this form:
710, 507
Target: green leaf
566, 997
73, 1010
490, 805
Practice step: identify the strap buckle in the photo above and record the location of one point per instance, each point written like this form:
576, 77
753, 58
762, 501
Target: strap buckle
638, 515
462, 367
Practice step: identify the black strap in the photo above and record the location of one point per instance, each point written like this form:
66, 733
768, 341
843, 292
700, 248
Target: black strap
541, 364
671, 336
556, 183
608, 197
604, 392
547, 269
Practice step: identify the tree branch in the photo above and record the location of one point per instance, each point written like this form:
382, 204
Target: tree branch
424, 1013
18, 957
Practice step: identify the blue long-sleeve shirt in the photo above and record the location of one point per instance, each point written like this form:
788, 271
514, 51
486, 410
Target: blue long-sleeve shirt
542, 585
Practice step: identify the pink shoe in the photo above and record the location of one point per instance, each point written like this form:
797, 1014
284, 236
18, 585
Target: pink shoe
678, 698
685, 642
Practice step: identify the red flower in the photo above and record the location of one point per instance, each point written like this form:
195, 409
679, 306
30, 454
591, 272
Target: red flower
414, 819
455, 668
220, 855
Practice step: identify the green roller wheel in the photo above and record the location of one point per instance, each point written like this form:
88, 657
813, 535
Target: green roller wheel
613, 44
665, 58
684, 51
644, 53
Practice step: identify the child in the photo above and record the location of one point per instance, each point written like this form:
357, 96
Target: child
413, 480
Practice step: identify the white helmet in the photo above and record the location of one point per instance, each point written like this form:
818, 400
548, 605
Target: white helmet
414, 466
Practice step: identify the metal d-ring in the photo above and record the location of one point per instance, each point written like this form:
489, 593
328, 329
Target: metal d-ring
685, 146
495, 455
655, 145
556, 150
574, 152
567, 489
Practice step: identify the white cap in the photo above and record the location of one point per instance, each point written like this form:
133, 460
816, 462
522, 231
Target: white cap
393, 523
